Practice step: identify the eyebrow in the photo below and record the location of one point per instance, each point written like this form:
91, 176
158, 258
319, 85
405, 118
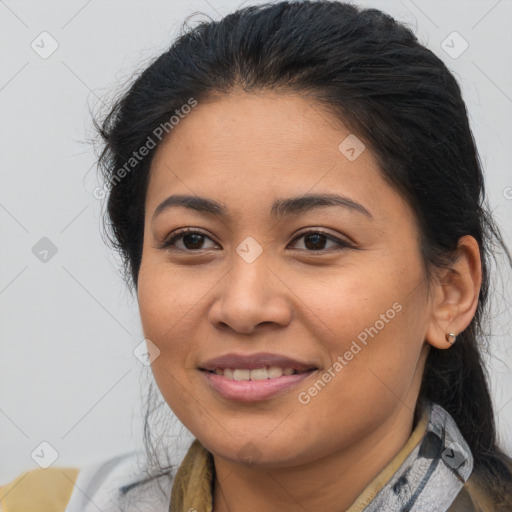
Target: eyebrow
280, 207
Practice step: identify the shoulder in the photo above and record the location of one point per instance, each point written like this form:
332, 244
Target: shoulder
39, 489
106, 486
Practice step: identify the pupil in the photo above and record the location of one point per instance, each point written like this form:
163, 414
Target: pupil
317, 239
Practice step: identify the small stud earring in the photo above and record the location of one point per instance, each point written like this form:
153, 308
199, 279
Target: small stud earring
450, 337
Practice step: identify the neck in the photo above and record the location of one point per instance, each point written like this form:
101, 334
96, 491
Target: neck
342, 475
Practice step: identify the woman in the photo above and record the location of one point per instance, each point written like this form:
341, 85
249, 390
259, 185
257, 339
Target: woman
299, 203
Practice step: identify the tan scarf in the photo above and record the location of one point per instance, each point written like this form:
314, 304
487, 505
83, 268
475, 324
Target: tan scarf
420, 477
192, 489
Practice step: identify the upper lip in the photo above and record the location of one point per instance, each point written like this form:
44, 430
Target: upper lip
254, 361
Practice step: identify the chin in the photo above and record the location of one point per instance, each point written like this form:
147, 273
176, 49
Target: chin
258, 451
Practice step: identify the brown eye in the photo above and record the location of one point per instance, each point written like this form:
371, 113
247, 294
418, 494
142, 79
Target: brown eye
190, 241
317, 240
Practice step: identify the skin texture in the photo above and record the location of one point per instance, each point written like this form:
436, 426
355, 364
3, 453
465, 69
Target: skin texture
245, 150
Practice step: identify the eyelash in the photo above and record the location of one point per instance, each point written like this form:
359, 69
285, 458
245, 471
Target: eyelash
169, 243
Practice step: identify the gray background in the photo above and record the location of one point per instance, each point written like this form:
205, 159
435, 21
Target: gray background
68, 375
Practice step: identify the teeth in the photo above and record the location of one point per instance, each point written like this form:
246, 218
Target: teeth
259, 374
241, 374
268, 372
274, 371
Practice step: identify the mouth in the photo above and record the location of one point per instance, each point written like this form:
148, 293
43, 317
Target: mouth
253, 378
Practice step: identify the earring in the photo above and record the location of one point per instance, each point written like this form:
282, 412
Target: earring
450, 337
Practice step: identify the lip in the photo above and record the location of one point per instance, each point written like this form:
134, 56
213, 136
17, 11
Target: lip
254, 390
254, 361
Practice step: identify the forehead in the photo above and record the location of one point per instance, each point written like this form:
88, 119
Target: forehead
247, 149
282, 124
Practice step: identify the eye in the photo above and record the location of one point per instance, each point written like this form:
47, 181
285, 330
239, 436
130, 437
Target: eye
316, 241
191, 239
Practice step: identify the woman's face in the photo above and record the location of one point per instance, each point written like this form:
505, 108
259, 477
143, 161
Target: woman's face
352, 309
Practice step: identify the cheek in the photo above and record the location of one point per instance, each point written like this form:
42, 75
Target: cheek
344, 303
167, 294
370, 323
166, 304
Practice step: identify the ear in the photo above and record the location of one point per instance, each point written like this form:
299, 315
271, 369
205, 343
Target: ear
454, 296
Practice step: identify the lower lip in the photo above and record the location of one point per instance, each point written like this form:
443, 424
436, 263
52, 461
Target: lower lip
253, 390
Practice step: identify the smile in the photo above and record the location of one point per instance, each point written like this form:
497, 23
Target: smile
267, 372
239, 384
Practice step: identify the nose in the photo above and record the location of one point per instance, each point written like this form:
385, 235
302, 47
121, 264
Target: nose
250, 296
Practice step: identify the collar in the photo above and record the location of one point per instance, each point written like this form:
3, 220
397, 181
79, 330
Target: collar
425, 475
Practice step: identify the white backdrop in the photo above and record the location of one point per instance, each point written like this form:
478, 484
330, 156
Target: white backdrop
68, 376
